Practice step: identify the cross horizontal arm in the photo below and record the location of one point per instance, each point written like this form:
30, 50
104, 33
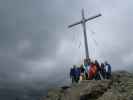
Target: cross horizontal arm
74, 24
93, 17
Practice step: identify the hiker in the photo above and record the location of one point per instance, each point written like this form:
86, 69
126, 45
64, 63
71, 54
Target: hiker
108, 70
92, 71
82, 72
98, 74
86, 67
103, 70
77, 74
72, 76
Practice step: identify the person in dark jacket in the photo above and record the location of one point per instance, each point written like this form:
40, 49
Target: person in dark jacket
108, 70
97, 77
103, 70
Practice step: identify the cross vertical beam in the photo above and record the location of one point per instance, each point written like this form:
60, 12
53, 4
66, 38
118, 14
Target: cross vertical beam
83, 22
85, 36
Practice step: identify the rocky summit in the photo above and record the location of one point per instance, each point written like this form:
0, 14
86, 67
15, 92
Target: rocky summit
120, 87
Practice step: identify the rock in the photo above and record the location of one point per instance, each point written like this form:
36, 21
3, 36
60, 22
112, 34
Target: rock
120, 87
95, 89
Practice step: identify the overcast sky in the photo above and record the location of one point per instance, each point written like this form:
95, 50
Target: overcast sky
35, 42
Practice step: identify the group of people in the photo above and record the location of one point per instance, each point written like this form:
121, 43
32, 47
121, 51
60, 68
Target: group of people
90, 70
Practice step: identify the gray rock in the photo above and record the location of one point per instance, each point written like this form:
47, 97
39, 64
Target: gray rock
120, 87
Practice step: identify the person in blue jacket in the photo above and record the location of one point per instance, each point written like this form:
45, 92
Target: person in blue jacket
75, 74
72, 75
108, 70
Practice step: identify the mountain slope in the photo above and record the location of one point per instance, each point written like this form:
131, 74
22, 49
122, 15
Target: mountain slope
120, 87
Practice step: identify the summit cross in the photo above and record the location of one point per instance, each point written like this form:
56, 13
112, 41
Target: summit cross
83, 22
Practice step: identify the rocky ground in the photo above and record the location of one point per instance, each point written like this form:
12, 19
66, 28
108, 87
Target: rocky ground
120, 87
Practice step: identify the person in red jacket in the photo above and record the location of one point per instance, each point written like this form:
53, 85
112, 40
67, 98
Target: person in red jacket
92, 71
